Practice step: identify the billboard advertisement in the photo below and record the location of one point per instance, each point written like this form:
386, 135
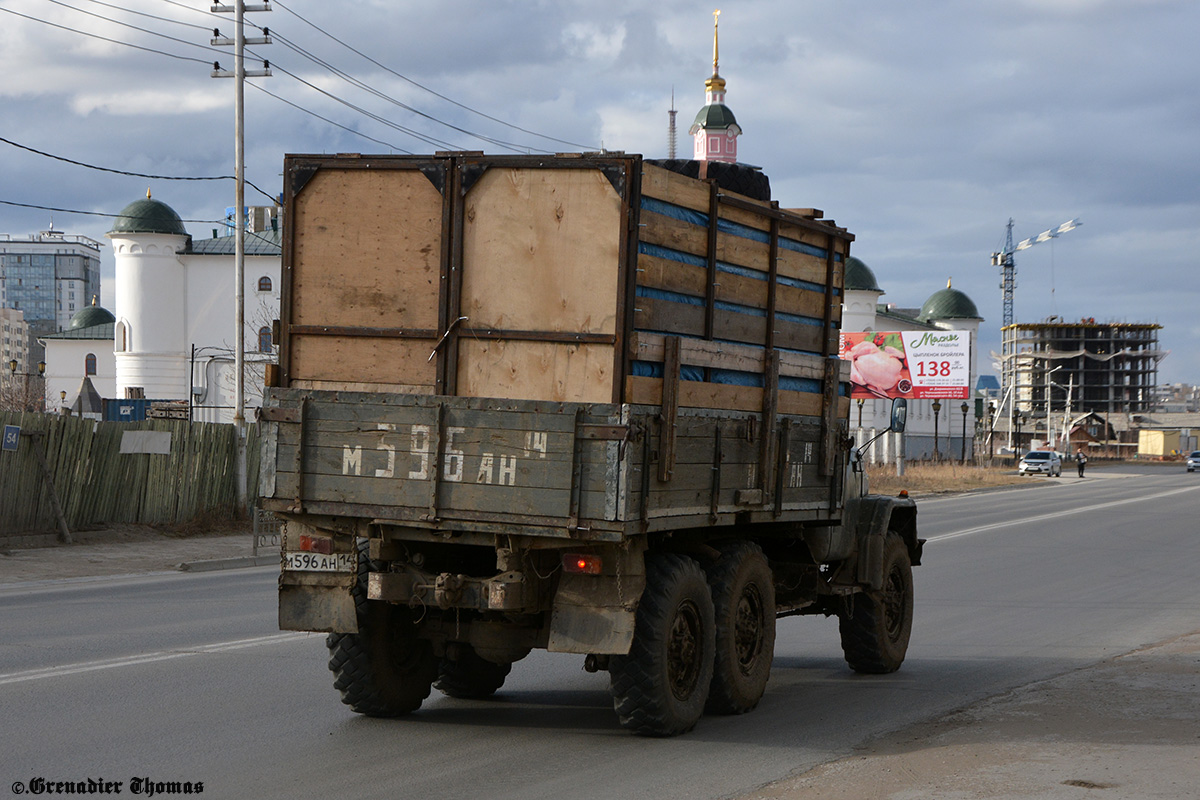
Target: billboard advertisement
912, 364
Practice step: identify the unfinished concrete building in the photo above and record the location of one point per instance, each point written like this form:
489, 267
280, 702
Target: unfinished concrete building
1106, 367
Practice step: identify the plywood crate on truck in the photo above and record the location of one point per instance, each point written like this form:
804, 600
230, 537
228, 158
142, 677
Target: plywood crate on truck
582, 403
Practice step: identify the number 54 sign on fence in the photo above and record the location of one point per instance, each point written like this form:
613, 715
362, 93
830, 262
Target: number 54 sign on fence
12, 436
913, 364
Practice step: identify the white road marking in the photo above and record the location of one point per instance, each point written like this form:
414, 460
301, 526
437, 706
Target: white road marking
146, 658
1057, 514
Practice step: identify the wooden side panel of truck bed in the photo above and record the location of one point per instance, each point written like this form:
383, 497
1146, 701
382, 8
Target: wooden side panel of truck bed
462, 336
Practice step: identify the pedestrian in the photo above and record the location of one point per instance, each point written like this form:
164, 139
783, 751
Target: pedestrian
1080, 461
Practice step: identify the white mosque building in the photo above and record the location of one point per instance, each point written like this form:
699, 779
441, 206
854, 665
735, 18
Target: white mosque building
171, 332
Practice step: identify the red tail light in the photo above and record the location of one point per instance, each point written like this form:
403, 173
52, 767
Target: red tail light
582, 563
316, 544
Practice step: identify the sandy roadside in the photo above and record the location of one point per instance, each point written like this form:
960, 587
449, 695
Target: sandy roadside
1125, 729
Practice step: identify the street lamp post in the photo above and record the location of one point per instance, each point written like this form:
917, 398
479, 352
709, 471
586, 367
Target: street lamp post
858, 437
937, 408
991, 412
1016, 424
963, 455
1049, 443
23, 397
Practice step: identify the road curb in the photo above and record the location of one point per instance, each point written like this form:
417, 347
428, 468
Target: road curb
213, 564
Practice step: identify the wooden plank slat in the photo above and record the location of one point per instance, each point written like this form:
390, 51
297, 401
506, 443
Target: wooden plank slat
696, 394
672, 187
743, 358
675, 234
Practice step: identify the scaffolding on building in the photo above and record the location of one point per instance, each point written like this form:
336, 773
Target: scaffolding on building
1108, 368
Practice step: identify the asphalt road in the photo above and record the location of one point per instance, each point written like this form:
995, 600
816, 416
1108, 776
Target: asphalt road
185, 678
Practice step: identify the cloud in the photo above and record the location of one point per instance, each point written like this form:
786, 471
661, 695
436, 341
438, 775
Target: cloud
922, 126
153, 103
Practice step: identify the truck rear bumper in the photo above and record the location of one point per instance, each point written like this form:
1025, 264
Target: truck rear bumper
508, 591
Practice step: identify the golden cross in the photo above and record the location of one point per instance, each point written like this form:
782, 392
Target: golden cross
716, 14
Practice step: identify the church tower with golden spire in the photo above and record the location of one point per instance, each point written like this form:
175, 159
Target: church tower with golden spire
715, 131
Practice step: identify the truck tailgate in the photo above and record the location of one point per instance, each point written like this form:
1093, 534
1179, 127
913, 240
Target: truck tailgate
428, 459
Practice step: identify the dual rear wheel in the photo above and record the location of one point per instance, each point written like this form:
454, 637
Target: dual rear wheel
701, 642
387, 670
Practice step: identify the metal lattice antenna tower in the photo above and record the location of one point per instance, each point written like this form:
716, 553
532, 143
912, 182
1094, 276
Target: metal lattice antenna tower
671, 138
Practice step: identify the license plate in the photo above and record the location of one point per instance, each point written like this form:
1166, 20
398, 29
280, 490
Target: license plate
319, 562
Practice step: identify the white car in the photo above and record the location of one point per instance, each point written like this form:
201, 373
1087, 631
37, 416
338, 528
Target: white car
1193, 461
1040, 462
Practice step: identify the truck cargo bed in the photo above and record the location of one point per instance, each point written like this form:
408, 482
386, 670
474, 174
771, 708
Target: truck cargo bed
581, 471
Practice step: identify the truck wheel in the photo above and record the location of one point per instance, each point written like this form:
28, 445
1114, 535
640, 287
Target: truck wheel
470, 677
743, 591
876, 628
384, 670
660, 687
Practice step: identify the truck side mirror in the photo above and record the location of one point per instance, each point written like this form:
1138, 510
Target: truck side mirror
899, 415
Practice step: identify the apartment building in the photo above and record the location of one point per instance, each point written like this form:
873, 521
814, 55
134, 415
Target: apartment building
1105, 367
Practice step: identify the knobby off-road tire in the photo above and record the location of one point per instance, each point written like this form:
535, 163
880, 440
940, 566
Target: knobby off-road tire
876, 626
384, 670
743, 592
469, 676
661, 686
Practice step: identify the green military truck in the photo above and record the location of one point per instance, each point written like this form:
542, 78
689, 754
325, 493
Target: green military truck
586, 403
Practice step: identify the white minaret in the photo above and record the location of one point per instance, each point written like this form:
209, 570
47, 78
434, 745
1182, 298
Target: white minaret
150, 337
715, 131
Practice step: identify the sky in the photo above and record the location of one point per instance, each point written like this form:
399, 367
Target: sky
922, 127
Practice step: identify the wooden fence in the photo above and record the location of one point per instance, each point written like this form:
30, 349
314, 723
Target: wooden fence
97, 484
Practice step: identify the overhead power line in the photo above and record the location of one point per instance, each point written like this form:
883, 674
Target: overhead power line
341, 74
326, 119
132, 174
255, 234
381, 95
94, 213
381, 120
139, 13
431, 91
362, 85
110, 40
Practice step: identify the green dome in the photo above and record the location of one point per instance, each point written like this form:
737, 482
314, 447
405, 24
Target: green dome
948, 303
148, 216
859, 277
714, 116
92, 315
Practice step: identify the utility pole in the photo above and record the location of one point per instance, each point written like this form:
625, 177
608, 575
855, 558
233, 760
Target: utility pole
240, 73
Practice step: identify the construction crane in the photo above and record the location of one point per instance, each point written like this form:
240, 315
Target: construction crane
1004, 260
